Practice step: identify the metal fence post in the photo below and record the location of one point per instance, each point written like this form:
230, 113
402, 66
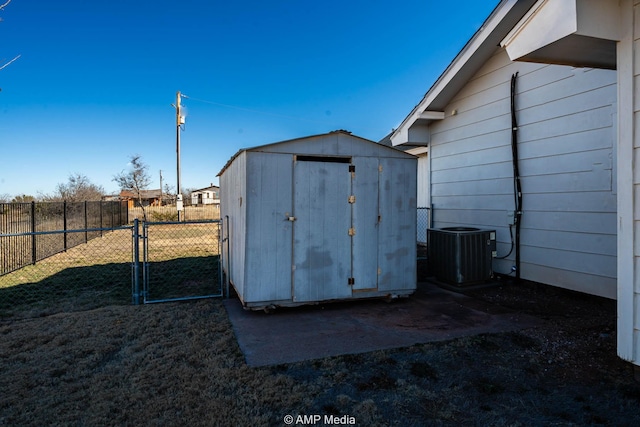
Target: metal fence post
220, 257
86, 223
227, 278
33, 231
136, 262
64, 224
431, 215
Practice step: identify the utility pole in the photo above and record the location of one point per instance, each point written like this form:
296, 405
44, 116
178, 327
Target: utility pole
160, 187
179, 122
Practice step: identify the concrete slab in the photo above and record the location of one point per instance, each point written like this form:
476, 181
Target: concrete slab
310, 332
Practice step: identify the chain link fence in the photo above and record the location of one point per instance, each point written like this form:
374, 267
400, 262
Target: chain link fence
170, 213
423, 222
89, 275
140, 263
31, 232
181, 261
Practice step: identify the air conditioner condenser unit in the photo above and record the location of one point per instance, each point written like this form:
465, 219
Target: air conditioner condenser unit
461, 256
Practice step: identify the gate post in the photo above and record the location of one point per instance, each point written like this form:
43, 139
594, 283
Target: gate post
86, 223
64, 224
226, 281
136, 262
33, 233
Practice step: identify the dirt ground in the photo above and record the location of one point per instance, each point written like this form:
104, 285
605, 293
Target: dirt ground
179, 364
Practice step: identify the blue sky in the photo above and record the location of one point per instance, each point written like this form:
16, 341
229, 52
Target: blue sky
96, 80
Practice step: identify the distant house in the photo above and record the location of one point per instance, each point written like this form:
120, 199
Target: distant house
148, 197
206, 196
111, 198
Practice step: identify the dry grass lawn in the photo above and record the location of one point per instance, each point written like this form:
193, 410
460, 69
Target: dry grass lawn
172, 364
74, 353
179, 364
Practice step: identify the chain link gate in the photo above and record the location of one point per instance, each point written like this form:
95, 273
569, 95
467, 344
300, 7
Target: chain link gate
147, 262
181, 261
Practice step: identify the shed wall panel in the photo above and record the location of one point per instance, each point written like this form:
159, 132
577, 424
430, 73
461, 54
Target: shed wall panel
398, 210
232, 210
366, 210
291, 216
269, 204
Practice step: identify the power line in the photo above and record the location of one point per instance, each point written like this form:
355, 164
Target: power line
253, 111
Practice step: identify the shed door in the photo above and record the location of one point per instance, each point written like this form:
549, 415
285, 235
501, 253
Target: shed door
365, 221
321, 241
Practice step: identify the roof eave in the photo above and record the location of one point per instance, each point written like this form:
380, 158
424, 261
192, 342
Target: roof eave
474, 53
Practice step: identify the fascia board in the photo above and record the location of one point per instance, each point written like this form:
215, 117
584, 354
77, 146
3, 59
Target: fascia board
454, 68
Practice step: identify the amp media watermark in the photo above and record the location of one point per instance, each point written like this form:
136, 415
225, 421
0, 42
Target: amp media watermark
315, 419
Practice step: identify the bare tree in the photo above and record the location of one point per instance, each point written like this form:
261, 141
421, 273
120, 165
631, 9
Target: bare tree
135, 179
78, 189
2, 6
169, 194
186, 195
24, 198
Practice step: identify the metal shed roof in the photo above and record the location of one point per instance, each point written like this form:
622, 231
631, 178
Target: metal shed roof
392, 152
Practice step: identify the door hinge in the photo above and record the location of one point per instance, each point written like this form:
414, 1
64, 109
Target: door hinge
352, 199
352, 231
379, 168
352, 281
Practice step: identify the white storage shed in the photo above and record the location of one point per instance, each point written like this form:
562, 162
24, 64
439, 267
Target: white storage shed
321, 218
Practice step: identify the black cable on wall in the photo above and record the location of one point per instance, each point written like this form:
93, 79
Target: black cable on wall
517, 188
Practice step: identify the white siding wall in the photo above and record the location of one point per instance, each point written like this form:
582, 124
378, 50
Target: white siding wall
566, 137
633, 54
628, 58
424, 199
423, 181
635, 196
